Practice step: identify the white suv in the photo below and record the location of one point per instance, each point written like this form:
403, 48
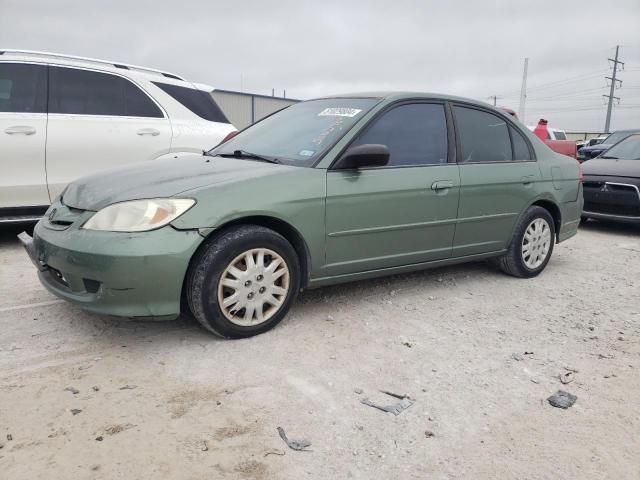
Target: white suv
64, 117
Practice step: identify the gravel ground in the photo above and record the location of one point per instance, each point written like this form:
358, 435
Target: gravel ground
478, 351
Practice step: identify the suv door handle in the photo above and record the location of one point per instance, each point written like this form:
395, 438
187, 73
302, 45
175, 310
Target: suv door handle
442, 185
20, 130
148, 131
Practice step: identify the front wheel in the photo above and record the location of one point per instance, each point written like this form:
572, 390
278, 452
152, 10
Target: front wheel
243, 281
531, 246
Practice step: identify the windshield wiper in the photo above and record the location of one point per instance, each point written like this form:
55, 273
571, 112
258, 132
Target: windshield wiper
607, 156
245, 154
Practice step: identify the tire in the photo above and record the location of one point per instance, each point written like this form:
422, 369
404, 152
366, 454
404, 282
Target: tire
517, 264
254, 296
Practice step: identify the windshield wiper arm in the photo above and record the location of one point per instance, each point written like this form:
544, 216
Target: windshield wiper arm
252, 156
607, 156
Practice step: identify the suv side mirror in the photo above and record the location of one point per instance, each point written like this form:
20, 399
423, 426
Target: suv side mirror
367, 155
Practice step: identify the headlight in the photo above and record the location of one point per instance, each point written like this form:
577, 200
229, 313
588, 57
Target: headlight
139, 215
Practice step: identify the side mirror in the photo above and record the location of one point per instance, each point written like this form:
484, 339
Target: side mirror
367, 155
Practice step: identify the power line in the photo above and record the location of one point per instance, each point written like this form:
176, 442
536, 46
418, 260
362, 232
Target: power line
568, 94
565, 81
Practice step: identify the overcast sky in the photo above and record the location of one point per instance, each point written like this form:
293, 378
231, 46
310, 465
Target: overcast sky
469, 48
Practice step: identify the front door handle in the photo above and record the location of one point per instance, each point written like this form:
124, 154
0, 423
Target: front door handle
148, 131
20, 130
442, 185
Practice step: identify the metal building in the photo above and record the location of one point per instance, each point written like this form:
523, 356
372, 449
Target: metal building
243, 109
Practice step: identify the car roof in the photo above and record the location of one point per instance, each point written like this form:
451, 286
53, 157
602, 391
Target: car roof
401, 95
91, 63
630, 131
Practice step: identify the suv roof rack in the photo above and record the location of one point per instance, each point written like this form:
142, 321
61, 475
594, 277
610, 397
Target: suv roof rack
124, 66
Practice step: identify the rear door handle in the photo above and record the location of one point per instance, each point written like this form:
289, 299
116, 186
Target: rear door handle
442, 185
528, 179
148, 131
20, 130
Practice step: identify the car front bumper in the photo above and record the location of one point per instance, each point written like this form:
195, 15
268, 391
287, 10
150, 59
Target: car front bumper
122, 274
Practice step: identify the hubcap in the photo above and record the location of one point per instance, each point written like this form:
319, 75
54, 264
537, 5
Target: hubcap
253, 287
536, 243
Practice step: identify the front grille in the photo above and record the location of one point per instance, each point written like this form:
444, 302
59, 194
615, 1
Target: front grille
62, 216
588, 184
611, 196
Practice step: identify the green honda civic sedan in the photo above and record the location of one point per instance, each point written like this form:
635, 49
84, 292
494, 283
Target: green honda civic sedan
325, 191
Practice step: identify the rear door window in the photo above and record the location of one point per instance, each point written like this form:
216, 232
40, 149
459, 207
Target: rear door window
484, 137
415, 134
84, 92
23, 88
199, 102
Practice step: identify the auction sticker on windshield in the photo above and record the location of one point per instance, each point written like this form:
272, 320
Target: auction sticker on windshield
339, 112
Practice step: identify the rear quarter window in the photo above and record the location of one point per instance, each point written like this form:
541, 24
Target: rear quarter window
197, 101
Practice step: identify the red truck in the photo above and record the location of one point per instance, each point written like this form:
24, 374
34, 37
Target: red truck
565, 147
542, 131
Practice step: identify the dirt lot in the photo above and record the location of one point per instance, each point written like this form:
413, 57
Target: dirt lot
167, 400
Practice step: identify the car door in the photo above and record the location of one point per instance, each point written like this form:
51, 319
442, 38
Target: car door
498, 174
23, 134
98, 121
400, 214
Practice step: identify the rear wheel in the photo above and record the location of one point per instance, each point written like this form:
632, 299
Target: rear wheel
243, 281
531, 246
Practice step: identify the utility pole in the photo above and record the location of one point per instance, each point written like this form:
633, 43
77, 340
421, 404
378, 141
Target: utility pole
613, 80
495, 98
523, 91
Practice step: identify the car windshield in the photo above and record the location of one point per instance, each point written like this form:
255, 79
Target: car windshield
615, 138
628, 149
299, 134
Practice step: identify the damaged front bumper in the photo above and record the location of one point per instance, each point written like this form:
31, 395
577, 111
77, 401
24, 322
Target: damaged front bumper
122, 274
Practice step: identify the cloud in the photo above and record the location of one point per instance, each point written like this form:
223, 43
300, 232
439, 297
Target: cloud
473, 49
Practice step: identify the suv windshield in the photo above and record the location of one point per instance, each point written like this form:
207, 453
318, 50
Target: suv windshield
299, 134
628, 149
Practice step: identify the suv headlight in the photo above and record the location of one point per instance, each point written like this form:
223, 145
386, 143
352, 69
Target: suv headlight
139, 215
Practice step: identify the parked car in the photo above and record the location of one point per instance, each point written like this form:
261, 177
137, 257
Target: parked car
592, 151
64, 117
555, 139
592, 141
596, 141
322, 192
612, 183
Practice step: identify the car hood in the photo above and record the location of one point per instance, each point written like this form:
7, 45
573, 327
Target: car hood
161, 179
610, 167
595, 148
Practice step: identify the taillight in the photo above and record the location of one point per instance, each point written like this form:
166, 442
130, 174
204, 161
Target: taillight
580, 173
229, 136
